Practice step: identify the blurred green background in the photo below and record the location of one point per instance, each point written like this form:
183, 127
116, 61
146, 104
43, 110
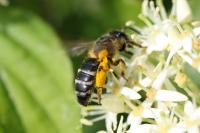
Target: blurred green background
83, 19
36, 74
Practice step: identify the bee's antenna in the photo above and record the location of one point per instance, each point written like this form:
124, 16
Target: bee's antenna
131, 42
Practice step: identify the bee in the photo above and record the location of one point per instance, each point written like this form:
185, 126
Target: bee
92, 73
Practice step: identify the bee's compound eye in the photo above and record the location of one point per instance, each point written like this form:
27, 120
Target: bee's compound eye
118, 34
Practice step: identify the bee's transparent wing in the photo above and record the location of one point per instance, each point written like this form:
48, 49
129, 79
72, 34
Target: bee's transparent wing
80, 48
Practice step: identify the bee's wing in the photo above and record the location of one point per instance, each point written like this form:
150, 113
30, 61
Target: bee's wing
80, 48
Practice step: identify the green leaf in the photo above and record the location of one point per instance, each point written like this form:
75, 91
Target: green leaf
193, 74
195, 8
36, 78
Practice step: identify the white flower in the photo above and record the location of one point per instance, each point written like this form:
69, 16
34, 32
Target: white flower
135, 119
158, 41
150, 96
178, 41
192, 118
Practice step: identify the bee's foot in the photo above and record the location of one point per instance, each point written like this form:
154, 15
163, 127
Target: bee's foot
99, 99
123, 76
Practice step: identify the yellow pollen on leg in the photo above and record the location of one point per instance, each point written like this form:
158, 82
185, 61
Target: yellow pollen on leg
101, 71
102, 54
100, 79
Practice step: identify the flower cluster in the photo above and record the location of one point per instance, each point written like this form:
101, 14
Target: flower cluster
162, 91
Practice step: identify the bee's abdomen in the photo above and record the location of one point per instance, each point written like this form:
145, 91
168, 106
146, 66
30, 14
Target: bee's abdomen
84, 81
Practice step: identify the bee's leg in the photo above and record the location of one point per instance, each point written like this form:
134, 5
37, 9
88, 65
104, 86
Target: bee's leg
99, 93
133, 43
114, 73
100, 80
123, 66
129, 45
128, 52
116, 62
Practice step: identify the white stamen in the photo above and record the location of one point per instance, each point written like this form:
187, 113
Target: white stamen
86, 122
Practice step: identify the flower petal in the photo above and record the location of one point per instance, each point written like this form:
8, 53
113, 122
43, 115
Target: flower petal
196, 114
188, 108
113, 104
171, 96
177, 129
144, 128
187, 43
130, 93
183, 11
194, 129
196, 31
146, 82
157, 84
133, 120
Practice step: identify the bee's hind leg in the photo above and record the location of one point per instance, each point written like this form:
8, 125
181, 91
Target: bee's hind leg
99, 93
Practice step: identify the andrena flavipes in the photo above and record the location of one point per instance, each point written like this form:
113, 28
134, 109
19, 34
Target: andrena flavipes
92, 73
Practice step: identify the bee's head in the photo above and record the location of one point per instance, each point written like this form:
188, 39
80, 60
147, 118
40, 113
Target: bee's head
121, 39
119, 34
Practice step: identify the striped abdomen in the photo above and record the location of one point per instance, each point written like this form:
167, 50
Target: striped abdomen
85, 80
